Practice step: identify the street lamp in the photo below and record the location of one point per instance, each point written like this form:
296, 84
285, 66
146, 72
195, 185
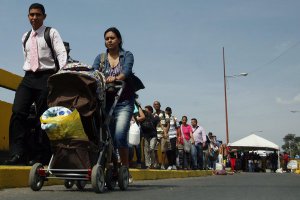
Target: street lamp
225, 94
295, 111
237, 75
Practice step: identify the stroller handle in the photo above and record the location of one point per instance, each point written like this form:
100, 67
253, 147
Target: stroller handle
115, 86
119, 84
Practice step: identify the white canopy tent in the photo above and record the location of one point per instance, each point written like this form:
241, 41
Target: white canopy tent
254, 142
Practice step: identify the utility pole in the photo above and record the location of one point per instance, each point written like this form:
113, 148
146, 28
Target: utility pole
226, 113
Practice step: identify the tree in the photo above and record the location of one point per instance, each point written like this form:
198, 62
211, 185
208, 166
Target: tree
291, 144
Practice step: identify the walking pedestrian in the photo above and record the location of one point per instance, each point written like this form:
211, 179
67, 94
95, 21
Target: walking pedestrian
38, 66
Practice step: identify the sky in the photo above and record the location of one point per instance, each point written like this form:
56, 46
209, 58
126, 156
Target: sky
177, 47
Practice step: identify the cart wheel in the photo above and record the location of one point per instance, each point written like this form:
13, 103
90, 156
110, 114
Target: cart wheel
110, 180
80, 184
36, 181
123, 178
97, 179
69, 184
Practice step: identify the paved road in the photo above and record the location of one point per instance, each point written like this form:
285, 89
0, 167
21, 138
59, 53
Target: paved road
243, 186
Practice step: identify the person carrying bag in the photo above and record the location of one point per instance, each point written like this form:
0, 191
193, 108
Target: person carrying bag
188, 140
187, 144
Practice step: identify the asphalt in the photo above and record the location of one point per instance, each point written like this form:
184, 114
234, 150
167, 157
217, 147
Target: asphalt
17, 176
245, 186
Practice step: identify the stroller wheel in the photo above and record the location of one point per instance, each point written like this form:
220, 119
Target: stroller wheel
97, 179
123, 179
80, 185
110, 178
36, 181
69, 184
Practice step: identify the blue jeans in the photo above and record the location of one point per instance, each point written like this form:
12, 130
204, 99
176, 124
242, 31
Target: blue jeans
197, 156
120, 123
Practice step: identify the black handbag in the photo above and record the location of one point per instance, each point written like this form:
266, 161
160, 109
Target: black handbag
135, 83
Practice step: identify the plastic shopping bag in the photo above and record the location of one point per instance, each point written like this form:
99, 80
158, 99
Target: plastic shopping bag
60, 123
134, 134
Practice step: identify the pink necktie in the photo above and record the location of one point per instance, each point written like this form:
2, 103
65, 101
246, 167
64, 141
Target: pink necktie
34, 58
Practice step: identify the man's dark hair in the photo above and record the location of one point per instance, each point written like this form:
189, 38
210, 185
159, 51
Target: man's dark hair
194, 119
168, 109
37, 6
118, 34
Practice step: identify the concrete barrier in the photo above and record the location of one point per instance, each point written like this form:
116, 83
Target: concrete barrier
8, 81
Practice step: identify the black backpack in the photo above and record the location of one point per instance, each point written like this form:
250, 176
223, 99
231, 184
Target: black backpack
49, 43
147, 125
206, 143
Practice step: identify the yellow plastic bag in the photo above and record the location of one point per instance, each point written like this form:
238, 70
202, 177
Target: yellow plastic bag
66, 127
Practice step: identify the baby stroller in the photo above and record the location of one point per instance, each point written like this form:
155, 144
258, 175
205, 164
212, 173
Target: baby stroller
91, 159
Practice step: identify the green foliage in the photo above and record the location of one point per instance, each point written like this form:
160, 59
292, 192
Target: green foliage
291, 144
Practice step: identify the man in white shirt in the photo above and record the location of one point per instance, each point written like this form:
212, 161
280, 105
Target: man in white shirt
162, 133
172, 134
38, 66
197, 149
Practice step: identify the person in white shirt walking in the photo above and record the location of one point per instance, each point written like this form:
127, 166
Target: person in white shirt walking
197, 149
38, 66
162, 138
172, 133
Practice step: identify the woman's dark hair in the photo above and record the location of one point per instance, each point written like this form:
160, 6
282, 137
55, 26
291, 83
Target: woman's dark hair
184, 117
37, 6
149, 108
118, 34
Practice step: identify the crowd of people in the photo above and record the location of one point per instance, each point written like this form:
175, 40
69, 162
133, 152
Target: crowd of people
182, 145
185, 145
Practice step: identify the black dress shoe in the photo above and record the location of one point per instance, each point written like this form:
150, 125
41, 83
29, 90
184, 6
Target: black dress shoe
15, 160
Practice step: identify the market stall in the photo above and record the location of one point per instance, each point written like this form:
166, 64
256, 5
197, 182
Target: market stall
253, 143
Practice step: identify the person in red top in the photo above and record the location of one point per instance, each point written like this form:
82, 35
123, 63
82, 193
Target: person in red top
285, 160
186, 132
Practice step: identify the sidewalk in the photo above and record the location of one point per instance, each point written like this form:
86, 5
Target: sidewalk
17, 176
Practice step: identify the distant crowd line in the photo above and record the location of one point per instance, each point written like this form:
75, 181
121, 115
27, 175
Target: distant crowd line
187, 146
182, 145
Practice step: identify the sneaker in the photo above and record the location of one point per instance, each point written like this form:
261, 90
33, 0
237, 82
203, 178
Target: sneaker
130, 180
169, 168
162, 167
174, 167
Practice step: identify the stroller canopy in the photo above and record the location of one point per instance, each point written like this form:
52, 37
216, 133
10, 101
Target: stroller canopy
75, 90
